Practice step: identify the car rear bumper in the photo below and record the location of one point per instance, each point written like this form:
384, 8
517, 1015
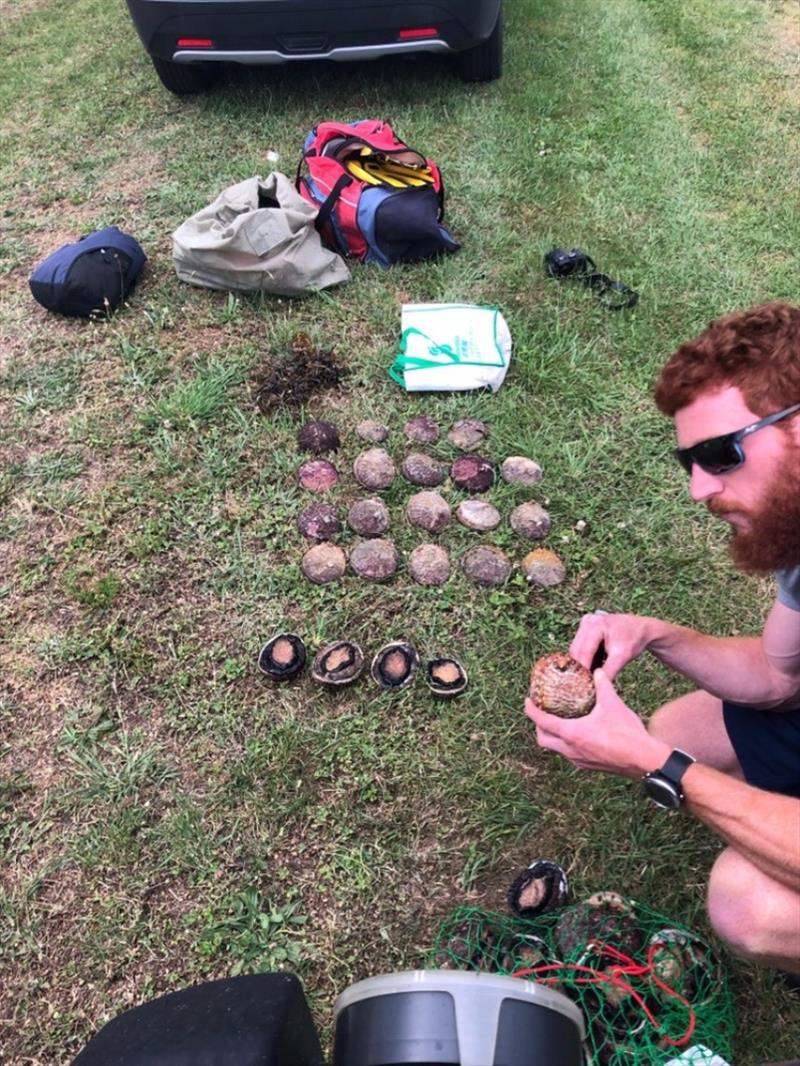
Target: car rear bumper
341, 55
279, 31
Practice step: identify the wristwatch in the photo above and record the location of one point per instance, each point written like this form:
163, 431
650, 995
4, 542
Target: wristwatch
664, 786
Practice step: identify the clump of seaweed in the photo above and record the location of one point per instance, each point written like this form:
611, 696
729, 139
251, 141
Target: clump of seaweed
290, 380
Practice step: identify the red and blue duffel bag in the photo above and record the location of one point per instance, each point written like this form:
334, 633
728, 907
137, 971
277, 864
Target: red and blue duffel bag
379, 200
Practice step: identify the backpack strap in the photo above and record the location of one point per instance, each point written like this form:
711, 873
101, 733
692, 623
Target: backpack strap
326, 210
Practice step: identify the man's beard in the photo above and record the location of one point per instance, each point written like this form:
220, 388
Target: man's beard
772, 541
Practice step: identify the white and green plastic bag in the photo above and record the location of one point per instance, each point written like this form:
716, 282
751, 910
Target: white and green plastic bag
451, 347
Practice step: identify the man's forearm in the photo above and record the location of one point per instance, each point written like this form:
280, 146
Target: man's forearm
762, 826
732, 668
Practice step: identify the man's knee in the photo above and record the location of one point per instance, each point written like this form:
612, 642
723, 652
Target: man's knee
695, 723
661, 724
741, 908
675, 722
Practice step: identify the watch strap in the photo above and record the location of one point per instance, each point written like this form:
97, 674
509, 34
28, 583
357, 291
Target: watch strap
676, 766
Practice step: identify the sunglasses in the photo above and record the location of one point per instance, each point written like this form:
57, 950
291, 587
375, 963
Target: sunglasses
720, 455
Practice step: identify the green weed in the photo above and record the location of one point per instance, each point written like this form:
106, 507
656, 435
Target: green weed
253, 936
97, 592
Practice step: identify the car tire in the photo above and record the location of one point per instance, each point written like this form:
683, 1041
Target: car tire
183, 79
484, 62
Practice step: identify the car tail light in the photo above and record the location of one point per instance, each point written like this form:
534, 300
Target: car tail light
195, 42
418, 31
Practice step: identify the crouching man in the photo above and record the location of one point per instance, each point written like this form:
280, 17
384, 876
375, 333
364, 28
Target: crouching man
728, 752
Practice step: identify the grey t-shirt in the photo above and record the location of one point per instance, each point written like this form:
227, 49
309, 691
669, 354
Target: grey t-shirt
789, 587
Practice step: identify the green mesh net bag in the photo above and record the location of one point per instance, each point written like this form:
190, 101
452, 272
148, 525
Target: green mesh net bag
649, 990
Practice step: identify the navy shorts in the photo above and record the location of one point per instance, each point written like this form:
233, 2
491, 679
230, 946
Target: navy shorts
767, 745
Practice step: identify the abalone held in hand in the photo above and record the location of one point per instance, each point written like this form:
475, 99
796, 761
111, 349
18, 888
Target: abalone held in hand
560, 685
282, 657
338, 663
395, 664
445, 676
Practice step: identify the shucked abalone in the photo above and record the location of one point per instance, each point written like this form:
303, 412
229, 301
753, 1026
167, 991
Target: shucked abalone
282, 657
395, 664
560, 685
446, 676
338, 663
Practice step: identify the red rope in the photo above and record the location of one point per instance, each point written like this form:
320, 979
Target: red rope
615, 975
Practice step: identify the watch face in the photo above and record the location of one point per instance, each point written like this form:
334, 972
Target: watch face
662, 791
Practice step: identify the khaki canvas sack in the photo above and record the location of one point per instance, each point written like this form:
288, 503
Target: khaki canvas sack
258, 235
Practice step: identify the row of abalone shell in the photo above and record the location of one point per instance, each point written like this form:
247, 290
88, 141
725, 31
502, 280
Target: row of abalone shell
374, 469
377, 559
466, 434
341, 662
428, 510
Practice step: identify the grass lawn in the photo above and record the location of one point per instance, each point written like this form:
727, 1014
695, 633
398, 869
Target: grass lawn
165, 815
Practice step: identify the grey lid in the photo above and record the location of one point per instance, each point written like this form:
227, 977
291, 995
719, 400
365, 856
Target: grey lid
477, 997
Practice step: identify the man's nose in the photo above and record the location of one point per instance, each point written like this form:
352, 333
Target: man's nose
703, 485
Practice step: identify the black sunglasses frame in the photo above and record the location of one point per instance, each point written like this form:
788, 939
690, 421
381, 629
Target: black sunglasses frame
703, 453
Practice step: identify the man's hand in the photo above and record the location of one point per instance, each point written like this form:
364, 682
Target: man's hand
625, 636
612, 739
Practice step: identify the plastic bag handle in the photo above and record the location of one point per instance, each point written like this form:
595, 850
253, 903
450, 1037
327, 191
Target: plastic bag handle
403, 362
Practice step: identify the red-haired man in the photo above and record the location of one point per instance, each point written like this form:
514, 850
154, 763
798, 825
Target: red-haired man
729, 751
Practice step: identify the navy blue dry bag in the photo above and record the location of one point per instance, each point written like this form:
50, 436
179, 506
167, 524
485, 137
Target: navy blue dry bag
92, 276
